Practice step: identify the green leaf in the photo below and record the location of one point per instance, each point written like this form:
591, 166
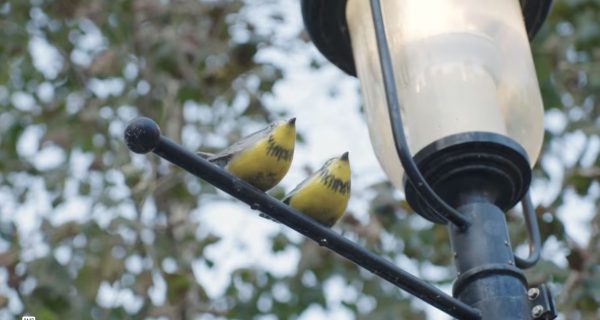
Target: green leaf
178, 286
88, 281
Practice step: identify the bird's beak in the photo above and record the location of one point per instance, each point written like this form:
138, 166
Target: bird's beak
344, 157
292, 121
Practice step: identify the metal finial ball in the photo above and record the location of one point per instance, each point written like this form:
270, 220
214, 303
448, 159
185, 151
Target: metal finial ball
142, 135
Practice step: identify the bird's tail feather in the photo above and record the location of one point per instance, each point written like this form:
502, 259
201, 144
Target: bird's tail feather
205, 155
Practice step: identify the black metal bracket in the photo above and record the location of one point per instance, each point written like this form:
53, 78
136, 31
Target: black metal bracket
439, 208
541, 302
533, 233
143, 135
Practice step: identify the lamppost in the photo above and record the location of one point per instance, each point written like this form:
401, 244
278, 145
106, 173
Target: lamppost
471, 109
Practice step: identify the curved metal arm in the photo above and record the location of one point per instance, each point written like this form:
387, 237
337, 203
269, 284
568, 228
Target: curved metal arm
143, 135
533, 234
445, 211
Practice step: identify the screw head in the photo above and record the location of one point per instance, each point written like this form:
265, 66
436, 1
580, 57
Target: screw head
533, 293
537, 311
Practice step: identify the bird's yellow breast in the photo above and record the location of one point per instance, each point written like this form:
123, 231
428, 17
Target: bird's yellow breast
324, 197
264, 164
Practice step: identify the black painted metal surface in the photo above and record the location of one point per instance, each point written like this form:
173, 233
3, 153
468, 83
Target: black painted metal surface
141, 137
486, 162
541, 303
533, 233
488, 279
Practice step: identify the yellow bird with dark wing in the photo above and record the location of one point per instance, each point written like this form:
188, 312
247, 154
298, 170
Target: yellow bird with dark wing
263, 158
324, 195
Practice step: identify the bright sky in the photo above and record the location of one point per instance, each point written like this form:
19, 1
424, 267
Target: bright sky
331, 124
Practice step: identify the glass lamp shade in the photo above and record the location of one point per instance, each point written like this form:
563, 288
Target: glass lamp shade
460, 66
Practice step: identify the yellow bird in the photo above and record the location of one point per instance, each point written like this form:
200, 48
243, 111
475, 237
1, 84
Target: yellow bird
263, 158
325, 194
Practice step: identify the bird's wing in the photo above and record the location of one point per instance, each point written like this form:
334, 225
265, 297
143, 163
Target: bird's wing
205, 155
221, 162
289, 196
223, 157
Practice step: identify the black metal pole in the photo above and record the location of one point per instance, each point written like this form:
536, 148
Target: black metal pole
488, 278
143, 135
478, 173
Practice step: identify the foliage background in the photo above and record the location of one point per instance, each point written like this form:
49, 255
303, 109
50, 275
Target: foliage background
88, 229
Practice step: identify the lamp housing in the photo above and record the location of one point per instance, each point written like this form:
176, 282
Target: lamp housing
460, 66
